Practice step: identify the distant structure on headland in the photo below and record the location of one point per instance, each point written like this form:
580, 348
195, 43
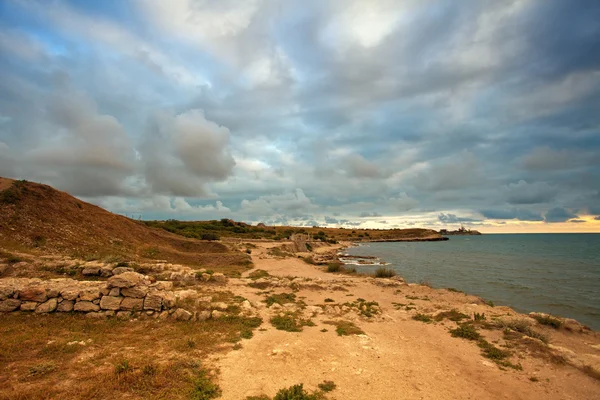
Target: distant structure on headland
460, 231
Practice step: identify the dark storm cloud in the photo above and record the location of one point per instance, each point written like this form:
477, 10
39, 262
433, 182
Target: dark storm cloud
559, 214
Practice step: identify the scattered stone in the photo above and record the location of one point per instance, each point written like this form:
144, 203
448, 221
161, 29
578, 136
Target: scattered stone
219, 306
65, 306
132, 304
86, 306
47, 307
125, 280
9, 305
91, 271
121, 270
182, 315
219, 278
35, 293
110, 302
202, 315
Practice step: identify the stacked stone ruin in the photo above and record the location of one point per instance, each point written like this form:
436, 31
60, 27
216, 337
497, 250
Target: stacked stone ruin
125, 294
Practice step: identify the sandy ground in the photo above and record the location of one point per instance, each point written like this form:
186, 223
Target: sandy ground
397, 357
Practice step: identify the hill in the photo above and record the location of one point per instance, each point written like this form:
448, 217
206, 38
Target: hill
40, 218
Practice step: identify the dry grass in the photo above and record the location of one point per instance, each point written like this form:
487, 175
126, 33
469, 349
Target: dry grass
145, 359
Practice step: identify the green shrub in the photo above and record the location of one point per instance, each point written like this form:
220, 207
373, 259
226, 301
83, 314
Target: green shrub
345, 328
327, 386
548, 320
465, 331
334, 267
422, 317
384, 273
452, 315
280, 298
296, 392
209, 236
204, 388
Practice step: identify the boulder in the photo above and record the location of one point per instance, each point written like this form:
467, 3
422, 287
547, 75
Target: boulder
106, 271
47, 307
162, 285
121, 270
89, 294
34, 293
139, 292
9, 305
70, 293
202, 315
168, 299
221, 306
125, 280
86, 306
153, 301
52, 292
182, 315
29, 305
114, 292
91, 271
65, 306
219, 277
110, 302
132, 304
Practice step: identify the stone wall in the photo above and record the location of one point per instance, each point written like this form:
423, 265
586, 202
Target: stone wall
121, 295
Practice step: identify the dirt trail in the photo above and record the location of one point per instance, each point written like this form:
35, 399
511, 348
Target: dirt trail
397, 357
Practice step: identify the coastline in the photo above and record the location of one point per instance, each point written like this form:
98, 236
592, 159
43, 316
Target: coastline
397, 346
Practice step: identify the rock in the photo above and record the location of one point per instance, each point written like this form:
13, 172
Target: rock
574, 326
149, 313
70, 293
314, 309
86, 306
219, 306
153, 301
65, 306
276, 307
216, 314
121, 270
202, 315
9, 305
47, 307
29, 305
52, 292
125, 280
168, 299
132, 304
3, 268
109, 313
162, 285
106, 272
89, 294
182, 315
6, 292
205, 277
35, 293
97, 301
110, 302
246, 305
139, 292
219, 277
187, 294
91, 271
114, 292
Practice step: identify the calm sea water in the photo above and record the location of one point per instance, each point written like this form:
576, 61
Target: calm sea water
552, 273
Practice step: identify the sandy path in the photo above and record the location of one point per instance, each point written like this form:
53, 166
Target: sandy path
397, 358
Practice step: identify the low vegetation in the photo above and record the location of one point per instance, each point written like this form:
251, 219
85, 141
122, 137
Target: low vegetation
384, 273
290, 322
548, 320
327, 386
465, 331
345, 328
422, 317
452, 315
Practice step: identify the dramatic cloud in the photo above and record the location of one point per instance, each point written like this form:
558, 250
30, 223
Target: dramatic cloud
559, 214
414, 113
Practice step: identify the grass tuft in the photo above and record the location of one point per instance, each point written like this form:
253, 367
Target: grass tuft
345, 328
422, 317
382, 272
327, 386
548, 320
465, 331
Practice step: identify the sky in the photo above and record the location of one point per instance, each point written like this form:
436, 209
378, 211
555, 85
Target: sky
341, 113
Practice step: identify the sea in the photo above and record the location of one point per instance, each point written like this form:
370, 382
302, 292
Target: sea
557, 274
